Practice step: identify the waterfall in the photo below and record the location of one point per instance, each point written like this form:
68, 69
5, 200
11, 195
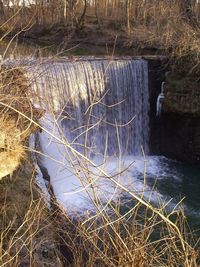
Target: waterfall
104, 104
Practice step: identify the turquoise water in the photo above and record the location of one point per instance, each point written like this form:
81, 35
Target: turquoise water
178, 181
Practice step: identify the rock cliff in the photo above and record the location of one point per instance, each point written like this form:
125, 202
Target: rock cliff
180, 120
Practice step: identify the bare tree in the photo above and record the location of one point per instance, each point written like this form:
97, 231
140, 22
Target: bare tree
2, 13
128, 15
187, 10
96, 12
65, 12
82, 18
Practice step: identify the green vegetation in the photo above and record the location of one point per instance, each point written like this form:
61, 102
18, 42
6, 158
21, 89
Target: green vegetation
182, 94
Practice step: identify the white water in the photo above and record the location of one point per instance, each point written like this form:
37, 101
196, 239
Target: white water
78, 184
39, 176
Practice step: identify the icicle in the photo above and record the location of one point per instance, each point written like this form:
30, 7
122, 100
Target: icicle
160, 99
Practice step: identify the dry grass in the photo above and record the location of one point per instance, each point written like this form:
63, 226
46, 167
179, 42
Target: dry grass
129, 239
137, 238
11, 148
14, 128
27, 235
31, 235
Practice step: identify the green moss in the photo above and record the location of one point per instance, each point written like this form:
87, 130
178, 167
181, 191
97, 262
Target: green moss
182, 94
17, 193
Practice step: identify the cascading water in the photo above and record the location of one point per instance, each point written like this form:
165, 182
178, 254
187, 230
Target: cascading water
104, 104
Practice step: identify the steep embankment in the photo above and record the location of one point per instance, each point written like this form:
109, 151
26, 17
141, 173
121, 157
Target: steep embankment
26, 232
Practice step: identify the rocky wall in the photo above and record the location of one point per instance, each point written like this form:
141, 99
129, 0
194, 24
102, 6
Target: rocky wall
180, 120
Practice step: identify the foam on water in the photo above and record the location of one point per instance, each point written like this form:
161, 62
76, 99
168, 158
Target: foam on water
77, 183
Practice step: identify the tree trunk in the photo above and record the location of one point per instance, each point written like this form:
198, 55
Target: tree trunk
2, 13
128, 11
70, 13
96, 13
65, 12
82, 18
187, 9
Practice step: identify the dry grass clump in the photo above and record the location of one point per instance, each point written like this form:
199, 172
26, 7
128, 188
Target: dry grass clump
15, 128
169, 28
27, 237
14, 100
11, 148
137, 238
